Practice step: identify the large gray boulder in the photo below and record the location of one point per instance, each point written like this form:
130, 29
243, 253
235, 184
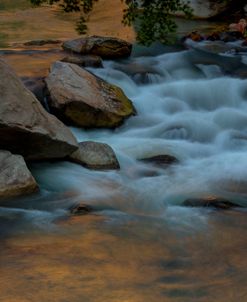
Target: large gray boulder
105, 47
84, 100
25, 127
15, 178
95, 156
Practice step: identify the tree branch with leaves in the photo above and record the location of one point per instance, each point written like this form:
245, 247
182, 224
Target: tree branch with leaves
153, 18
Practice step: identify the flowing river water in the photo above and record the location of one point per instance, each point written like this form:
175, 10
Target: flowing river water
141, 244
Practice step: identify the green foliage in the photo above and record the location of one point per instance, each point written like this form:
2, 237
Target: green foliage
153, 17
81, 26
155, 21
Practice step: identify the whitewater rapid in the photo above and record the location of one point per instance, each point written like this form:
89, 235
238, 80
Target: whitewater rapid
186, 107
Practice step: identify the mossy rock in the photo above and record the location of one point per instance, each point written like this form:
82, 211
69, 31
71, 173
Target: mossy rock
79, 98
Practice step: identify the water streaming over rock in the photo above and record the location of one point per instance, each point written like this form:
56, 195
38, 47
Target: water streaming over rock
191, 111
142, 244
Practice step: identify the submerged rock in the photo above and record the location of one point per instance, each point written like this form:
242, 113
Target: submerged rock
82, 99
105, 47
84, 60
141, 73
15, 178
209, 53
96, 156
211, 201
214, 47
81, 209
161, 160
25, 127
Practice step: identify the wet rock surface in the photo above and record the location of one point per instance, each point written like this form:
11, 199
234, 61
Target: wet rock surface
15, 178
95, 156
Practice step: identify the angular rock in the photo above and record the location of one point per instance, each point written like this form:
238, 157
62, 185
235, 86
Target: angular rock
84, 60
211, 201
105, 47
15, 178
25, 127
95, 156
82, 99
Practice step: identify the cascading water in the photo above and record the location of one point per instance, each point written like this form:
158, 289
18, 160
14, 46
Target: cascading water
148, 247
191, 111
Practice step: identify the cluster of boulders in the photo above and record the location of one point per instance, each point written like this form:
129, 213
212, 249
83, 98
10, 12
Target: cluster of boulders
76, 97
234, 32
224, 36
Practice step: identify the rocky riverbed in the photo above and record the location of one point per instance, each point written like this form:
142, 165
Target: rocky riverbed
151, 208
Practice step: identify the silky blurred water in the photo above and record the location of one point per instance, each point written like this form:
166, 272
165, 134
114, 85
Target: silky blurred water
141, 243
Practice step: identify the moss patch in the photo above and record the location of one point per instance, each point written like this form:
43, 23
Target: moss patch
84, 116
127, 107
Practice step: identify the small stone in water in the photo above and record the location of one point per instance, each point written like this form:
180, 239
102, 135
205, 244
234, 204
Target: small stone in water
81, 209
161, 159
214, 202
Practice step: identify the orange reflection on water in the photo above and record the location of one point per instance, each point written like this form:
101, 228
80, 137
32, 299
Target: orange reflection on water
94, 258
